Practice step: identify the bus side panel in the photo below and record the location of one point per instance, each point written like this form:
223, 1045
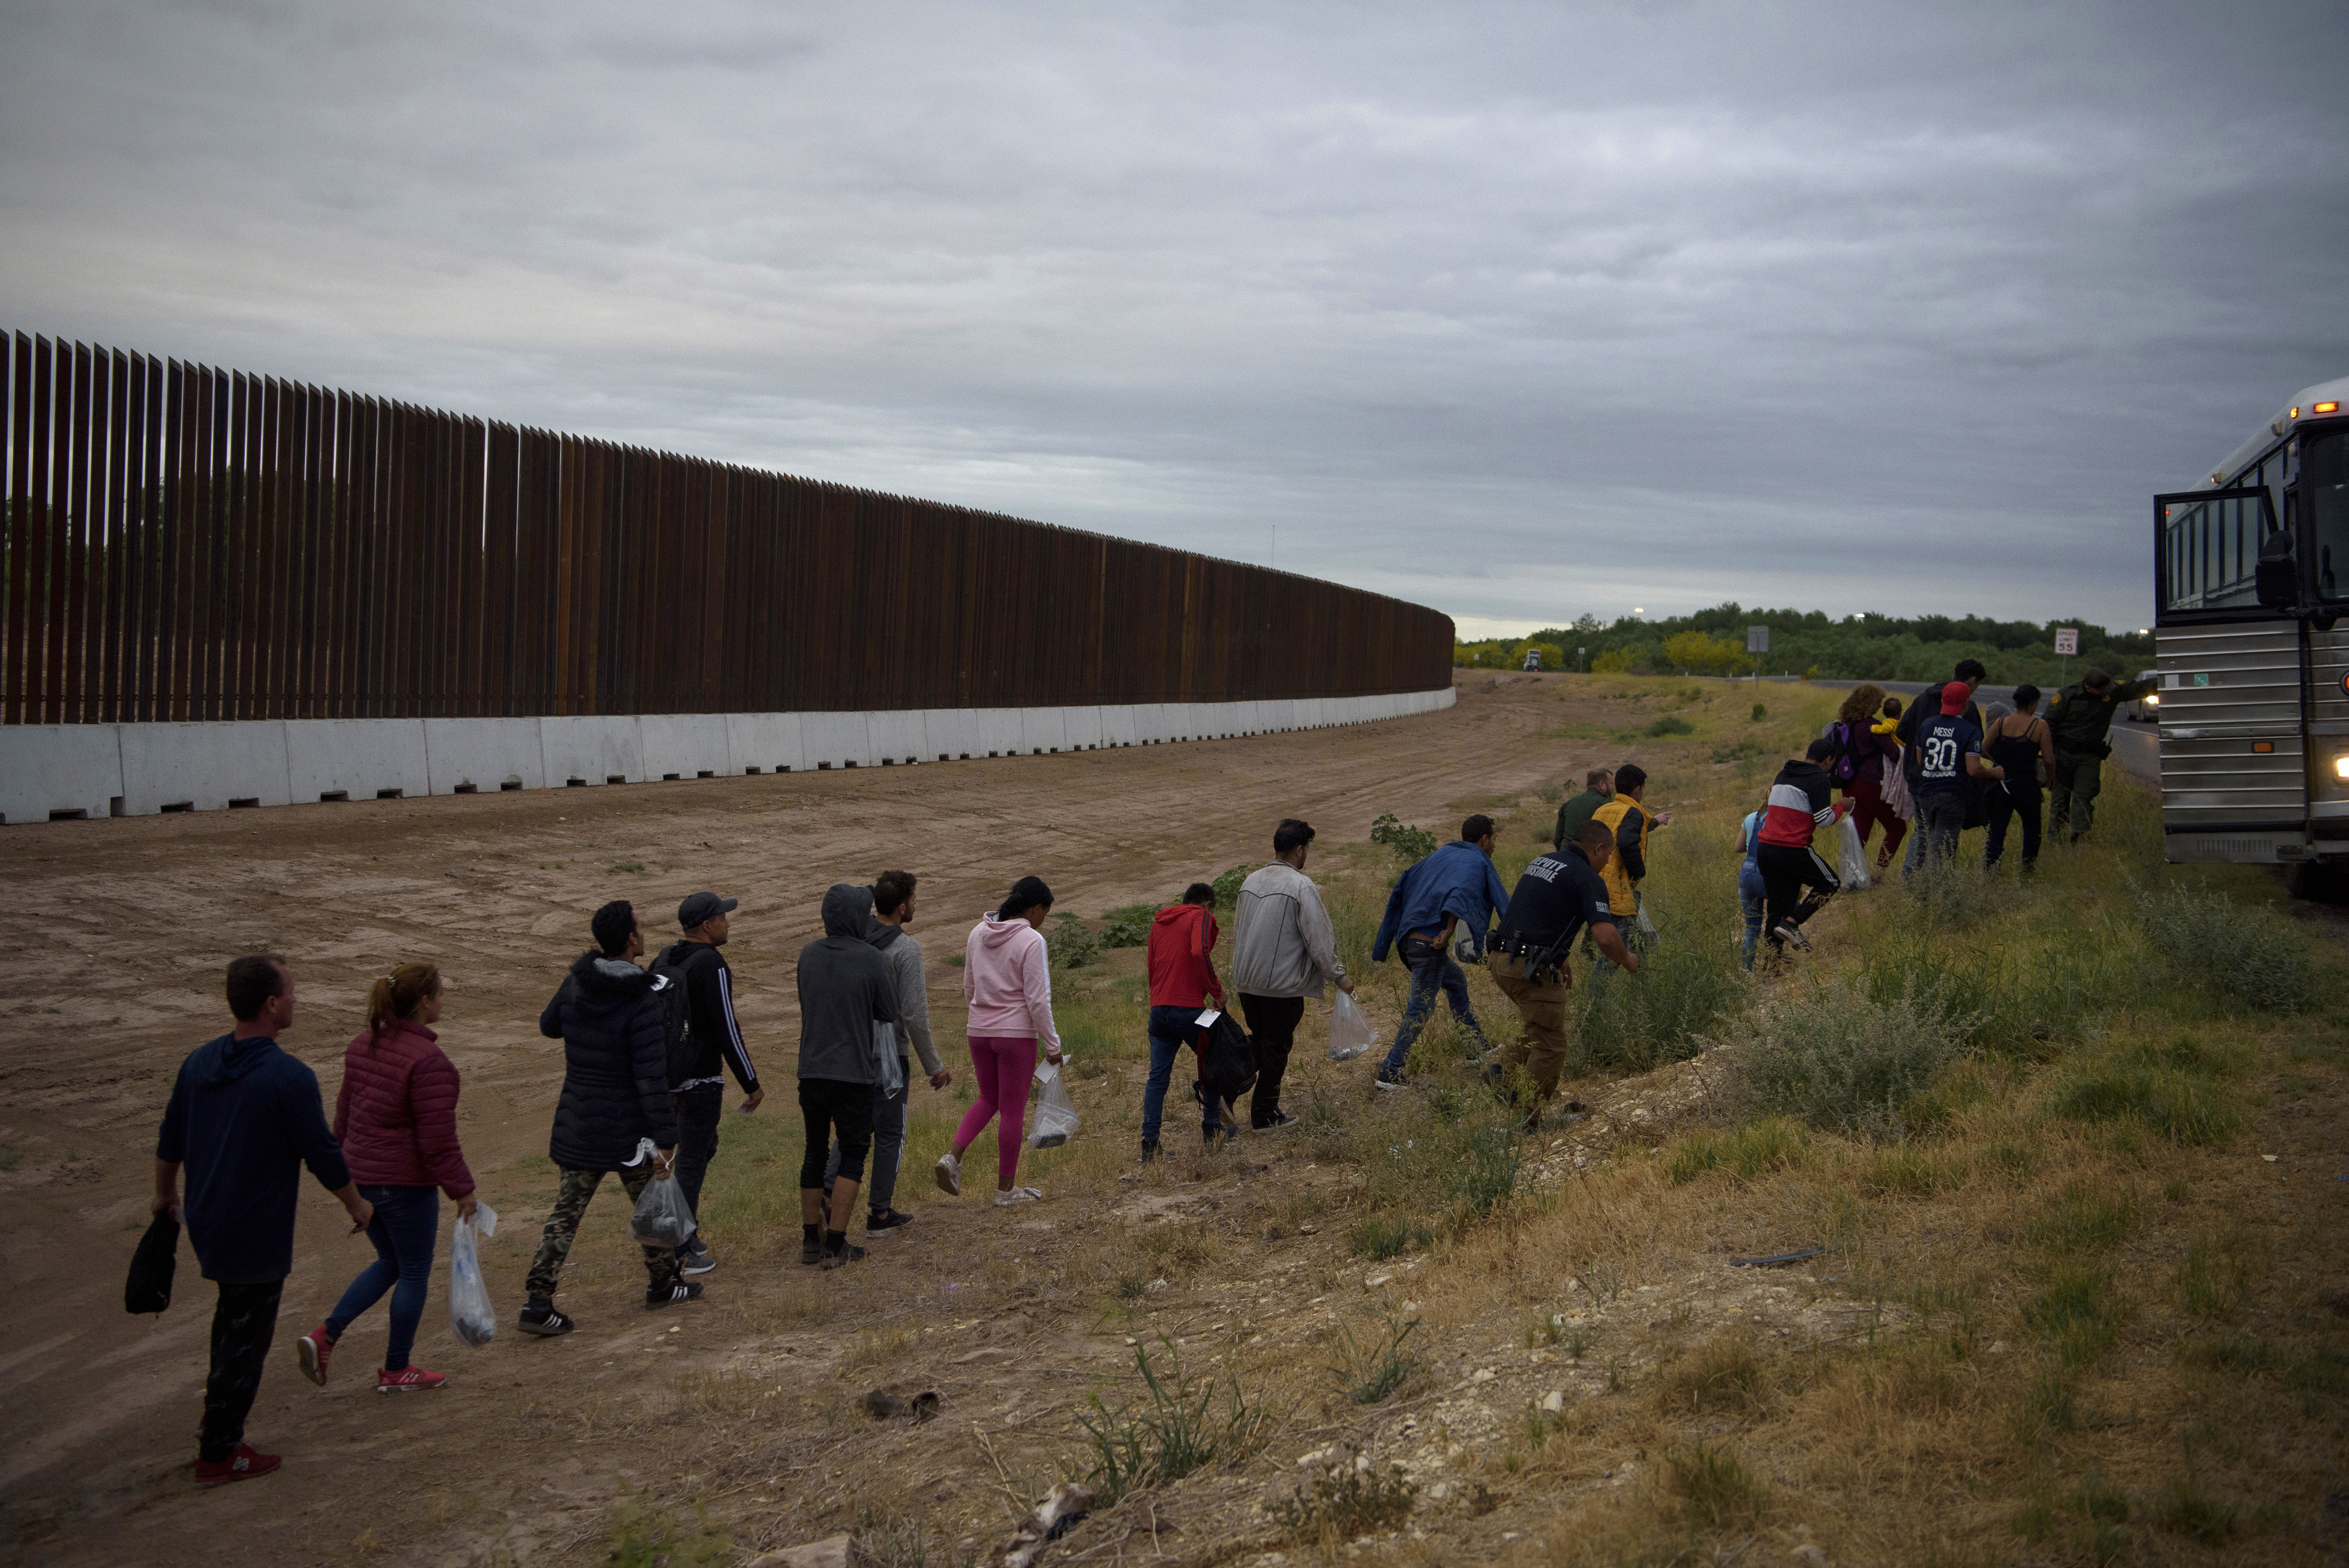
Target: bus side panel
2233, 764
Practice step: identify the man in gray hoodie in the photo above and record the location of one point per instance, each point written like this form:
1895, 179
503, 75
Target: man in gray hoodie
845, 987
1282, 950
893, 911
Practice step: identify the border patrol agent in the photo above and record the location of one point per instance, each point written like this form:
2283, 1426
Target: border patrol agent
1560, 893
2082, 720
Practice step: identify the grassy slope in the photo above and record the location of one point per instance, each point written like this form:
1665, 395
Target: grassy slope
2070, 1312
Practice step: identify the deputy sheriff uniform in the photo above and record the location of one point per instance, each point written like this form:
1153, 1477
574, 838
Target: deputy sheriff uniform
1560, 893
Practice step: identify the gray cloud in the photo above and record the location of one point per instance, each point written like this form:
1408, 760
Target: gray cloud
1516, 310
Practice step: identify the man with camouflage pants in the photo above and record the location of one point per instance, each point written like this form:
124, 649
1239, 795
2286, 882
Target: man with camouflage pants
2082, 724
615, 1094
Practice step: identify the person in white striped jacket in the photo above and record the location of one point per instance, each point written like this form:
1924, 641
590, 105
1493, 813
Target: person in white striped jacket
1802, 801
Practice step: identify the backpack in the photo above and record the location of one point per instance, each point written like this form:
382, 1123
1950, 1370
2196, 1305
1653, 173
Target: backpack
1840, 766
1226, 1061
683, 1050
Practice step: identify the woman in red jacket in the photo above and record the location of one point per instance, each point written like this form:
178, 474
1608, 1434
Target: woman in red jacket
396, 1118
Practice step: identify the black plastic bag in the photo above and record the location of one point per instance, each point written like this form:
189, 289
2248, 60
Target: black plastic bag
1226, 1061
149, 1288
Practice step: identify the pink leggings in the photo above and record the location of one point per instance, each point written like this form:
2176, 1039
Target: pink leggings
1003, 1066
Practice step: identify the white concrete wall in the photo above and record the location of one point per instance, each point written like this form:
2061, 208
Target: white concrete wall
87, 768
482, 756
58, 768
356, 759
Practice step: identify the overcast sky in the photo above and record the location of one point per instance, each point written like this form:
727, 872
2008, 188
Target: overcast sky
1520, 311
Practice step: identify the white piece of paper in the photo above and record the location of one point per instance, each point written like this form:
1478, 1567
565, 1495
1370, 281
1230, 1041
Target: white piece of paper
1207, 1020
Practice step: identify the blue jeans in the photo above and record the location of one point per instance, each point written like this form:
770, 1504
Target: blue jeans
1432, 970
1750, 898
406, 1225
1170, 1030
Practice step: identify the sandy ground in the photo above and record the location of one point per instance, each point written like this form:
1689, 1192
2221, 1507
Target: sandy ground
123, 928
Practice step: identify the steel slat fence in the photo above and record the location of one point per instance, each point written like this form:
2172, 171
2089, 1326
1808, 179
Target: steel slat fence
186, 542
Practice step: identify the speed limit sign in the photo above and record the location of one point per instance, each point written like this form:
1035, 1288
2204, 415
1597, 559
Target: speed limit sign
2067, 641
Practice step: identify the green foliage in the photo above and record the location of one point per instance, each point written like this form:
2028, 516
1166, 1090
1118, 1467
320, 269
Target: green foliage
1072, 945
1759, 712
2075, 1314
1351, 1499
1227, 887
1494, 1157
1178, 1424
2184, 1508
650, 1537
1411, 845
1756, 1149
1718, 1489
1369, 1370
2245, 956
1669, 724
1384, 1236
1127, 926
2181, 1106
1660, 1014
1834, 1057
2083, 1217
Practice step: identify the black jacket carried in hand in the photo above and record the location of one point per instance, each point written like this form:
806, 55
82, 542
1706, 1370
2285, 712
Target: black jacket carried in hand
615, 1065
845, 987
148, 1286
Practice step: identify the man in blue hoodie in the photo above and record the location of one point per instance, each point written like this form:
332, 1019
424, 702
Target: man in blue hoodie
244, 1118
1455, 887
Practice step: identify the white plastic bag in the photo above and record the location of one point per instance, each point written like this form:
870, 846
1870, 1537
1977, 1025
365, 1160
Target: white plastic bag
886, 1061
1851, 856
1350, 1034
470, 1314
1644, 927
1056, 1117
663, 1218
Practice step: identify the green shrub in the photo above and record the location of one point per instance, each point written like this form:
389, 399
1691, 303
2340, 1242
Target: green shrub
1670, 725
1659, 1015
1833, 1056
1759, 712
1228, 887
1772, 1143
1369, 1370
1128, 925
1072, 945
1348, 1501
1718, 1490
1411, 845
2247, 957
1177, 1426
1384, 1236
2180, 1107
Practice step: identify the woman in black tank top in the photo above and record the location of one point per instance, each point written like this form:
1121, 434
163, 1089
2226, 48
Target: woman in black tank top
2018, 742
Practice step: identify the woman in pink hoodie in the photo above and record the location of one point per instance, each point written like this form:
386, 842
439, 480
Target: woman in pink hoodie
1006, 978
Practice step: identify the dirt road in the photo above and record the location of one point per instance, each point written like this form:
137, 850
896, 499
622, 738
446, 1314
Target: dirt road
122, 928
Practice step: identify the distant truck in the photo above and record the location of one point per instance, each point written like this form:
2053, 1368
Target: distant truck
2252, 578
1533, 658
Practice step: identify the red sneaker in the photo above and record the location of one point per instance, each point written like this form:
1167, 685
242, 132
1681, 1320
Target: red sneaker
407, 1380
242, 1465
316, 1350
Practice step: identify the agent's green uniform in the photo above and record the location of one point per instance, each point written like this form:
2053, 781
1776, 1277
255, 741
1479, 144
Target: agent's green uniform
1574, 813
2082, 721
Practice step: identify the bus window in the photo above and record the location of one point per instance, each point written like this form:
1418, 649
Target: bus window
2210, 550
2324, 479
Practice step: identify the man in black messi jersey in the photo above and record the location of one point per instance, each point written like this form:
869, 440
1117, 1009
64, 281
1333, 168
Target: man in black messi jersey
1558, 893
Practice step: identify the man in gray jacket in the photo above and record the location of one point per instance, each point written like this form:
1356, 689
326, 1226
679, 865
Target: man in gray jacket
1282, 951
845, 987
893, 911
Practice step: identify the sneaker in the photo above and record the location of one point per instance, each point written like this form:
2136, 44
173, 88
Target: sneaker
1280, 1119
887, 1219
242, 1465
948, 1170
1005, 1199
1390, 1080
842, 1258
1150, 1151
409, 1379
697, 1260
316, 1350
545, 1322
1792, 934
673, 1290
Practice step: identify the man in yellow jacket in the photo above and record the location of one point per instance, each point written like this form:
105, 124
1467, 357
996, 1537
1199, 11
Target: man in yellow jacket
1628, 821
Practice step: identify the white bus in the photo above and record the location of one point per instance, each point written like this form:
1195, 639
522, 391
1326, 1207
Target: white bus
2251, 577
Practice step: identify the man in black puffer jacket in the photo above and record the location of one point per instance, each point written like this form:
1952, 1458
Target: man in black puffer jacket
615, 1094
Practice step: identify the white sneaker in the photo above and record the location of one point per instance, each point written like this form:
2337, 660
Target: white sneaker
948, 1170
1004, 1200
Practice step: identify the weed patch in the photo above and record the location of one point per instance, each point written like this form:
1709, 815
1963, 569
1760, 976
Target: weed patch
2207, 941
1718, 1489
1410, 844
1351, 1501
1370, 1369
2077, 1316
1179, 1425
1835, 1057
1772, 1143
1384, 1236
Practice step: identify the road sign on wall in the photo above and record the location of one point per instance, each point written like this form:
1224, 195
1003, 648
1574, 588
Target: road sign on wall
1757, 639
2067, 641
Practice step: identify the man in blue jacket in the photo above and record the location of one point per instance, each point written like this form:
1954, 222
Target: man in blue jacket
244, 1118
1455, 887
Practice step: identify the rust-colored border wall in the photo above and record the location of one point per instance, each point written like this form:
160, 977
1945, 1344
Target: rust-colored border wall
186, 542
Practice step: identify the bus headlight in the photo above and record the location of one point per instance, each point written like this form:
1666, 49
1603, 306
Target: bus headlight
2341, 768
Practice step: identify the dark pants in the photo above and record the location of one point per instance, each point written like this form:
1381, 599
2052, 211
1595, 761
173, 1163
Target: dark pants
563, 1228
1786, 869
2021, 805
699, 1112
243, 1325
1940, 819
1867, 809
406, 1224
1272, 1024
888, 1143
2073, 797
1432, 970
1170, 1030
830, 1107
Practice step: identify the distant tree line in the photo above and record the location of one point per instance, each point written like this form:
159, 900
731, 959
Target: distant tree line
1809, 643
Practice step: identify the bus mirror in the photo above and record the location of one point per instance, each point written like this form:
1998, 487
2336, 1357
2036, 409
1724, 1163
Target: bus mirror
2278, 581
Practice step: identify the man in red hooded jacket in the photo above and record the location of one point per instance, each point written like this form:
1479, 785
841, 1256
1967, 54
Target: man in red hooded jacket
1182, 979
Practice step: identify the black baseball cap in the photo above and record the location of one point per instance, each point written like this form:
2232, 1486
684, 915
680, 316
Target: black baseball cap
699, 906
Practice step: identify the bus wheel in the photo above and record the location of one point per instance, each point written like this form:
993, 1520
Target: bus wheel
2312, 879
